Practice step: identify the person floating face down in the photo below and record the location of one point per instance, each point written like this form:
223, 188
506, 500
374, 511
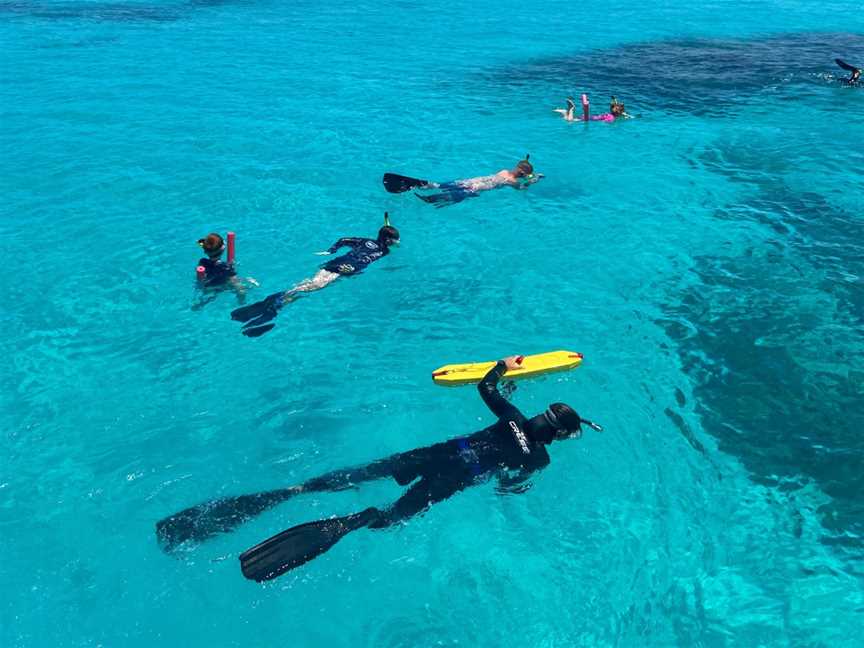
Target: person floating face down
616, 111
511, 449
519, 177
219, 274
257, 317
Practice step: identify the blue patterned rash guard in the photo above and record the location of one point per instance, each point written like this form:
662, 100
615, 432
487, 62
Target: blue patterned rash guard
363, 252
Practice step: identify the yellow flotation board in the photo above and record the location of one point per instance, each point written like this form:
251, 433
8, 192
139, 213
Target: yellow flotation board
532, 365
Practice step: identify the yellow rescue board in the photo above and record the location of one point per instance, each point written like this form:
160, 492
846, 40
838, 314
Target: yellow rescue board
532, 365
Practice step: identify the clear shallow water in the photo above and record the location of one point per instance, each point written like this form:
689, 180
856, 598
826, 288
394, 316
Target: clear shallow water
707, 259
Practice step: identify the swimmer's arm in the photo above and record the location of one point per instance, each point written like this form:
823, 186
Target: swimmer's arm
488, 389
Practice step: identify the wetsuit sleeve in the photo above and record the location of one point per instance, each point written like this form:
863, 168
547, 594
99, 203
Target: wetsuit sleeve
488, 388
351, 242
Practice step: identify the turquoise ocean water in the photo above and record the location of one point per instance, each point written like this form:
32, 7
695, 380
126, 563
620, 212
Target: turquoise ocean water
707, 258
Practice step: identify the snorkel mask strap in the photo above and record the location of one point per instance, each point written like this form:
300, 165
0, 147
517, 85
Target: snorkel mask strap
551, 419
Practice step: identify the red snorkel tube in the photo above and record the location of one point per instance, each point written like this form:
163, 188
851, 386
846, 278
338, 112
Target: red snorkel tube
231, 238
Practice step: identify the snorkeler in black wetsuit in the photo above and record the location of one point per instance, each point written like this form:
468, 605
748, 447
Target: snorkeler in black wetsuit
511, 449
364, 251
855, 73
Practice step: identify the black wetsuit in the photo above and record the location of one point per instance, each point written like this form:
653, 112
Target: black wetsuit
434, 473
217, 272
363, 252
444, 469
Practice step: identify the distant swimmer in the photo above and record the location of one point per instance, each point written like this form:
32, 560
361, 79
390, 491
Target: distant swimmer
568, 113
214, 273
364, 251
616, 111
520, 177
855, 73
511, 450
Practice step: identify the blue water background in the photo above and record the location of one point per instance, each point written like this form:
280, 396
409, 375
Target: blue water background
707, 259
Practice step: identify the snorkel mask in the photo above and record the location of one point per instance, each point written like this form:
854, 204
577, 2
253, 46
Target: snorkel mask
525, 168
565, 429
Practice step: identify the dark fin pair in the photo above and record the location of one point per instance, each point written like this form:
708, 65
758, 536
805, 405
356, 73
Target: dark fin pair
299, 545
846, 66
198, 523
395, 183
447, 198
256, 316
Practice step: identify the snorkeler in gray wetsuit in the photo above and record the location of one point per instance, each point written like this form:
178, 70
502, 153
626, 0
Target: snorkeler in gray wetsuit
520, 177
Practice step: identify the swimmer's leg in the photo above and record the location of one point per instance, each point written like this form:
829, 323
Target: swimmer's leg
202, 521
403, 467
418, 499
322, 279
302, 543
349, 477
259, 315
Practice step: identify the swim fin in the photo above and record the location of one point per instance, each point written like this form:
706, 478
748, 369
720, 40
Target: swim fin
395, 183
256, 331
446, 198
299, 545
267, 306
205, 520
845, 65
